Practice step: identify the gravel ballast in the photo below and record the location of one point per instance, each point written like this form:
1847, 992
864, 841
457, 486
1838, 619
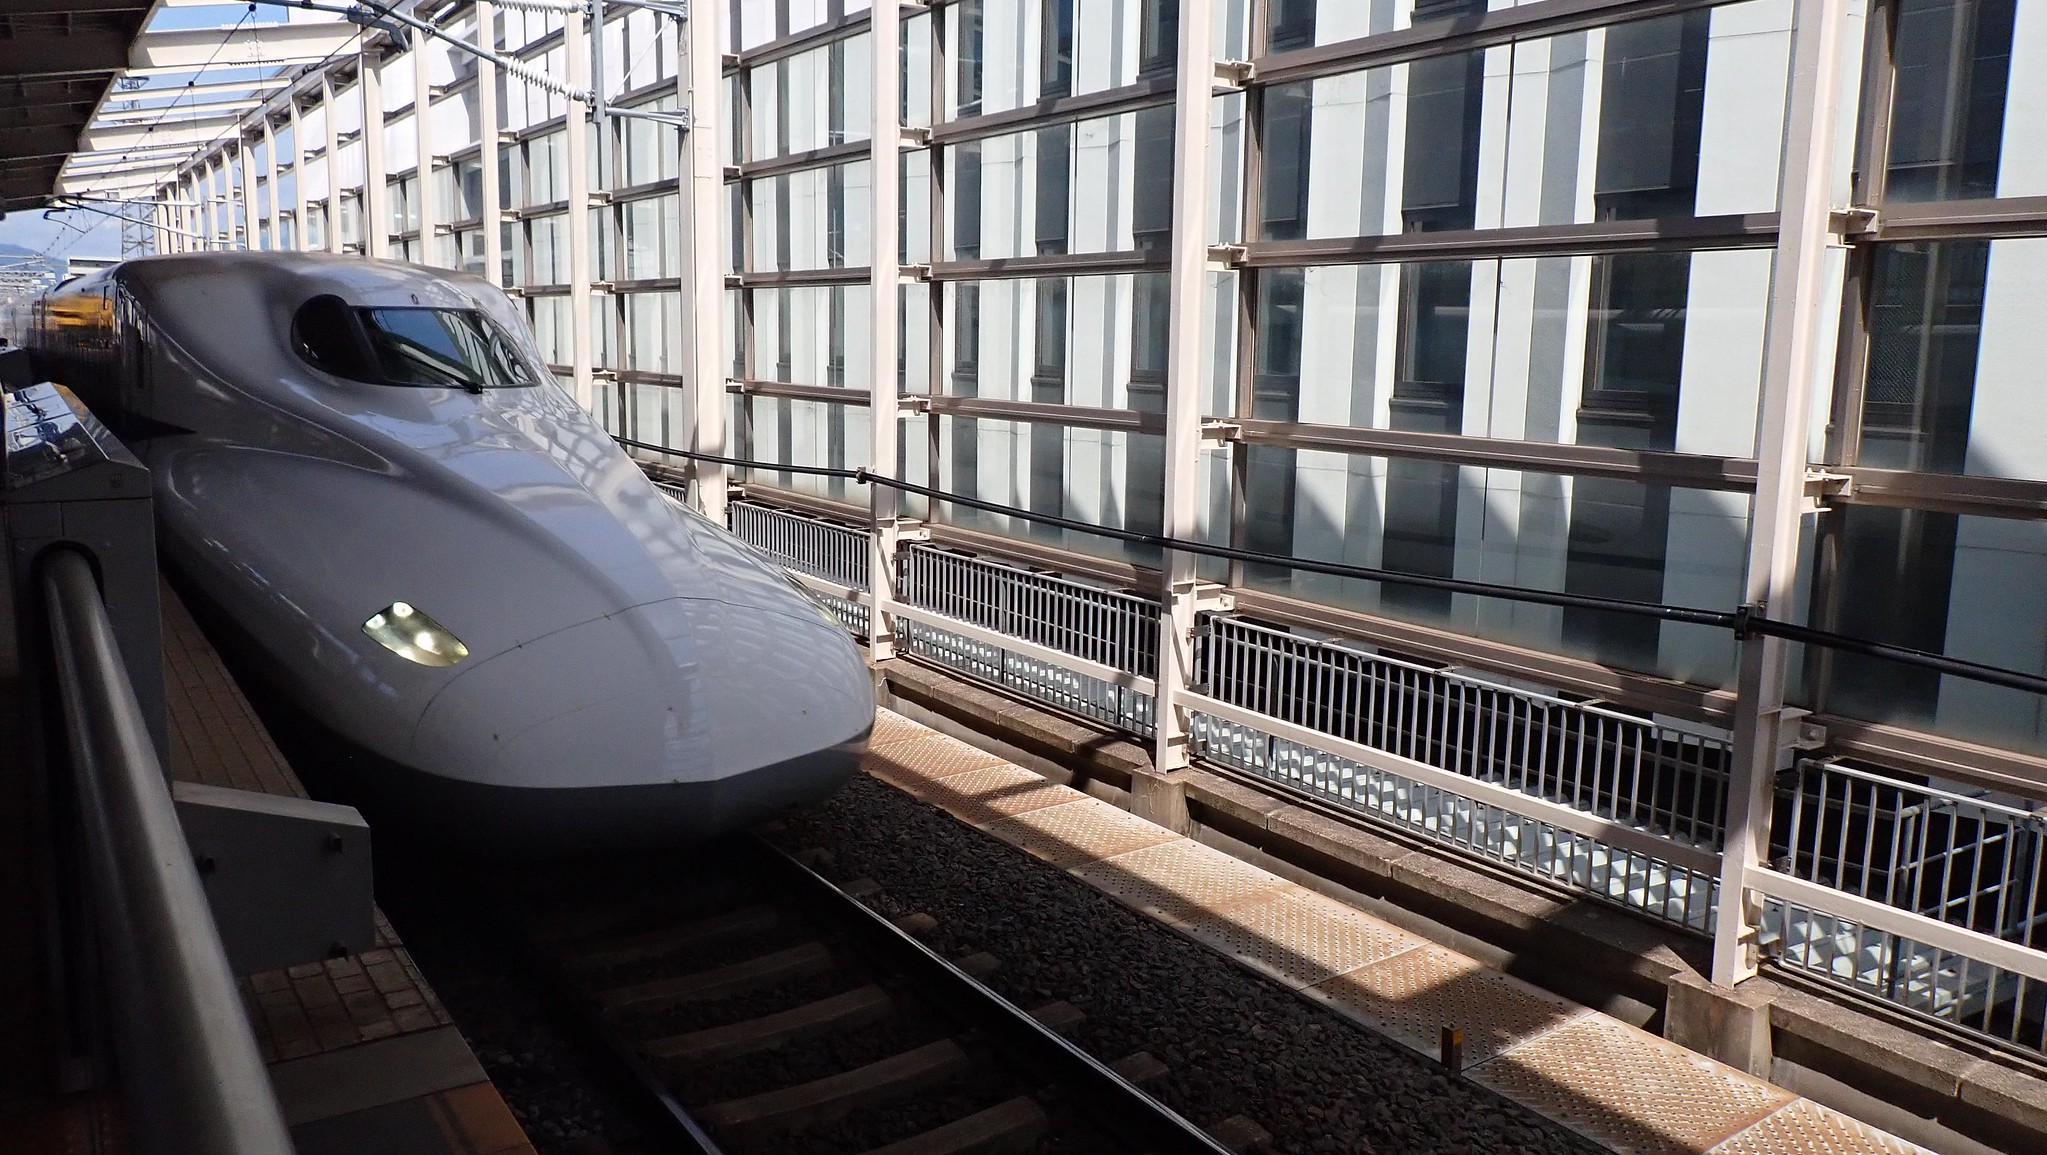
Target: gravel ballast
1236, 1044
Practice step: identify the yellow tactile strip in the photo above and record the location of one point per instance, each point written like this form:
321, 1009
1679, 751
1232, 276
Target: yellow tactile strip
1619, 1086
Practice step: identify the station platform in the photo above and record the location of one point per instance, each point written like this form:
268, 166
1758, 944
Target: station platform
1617, 1085
362, 1055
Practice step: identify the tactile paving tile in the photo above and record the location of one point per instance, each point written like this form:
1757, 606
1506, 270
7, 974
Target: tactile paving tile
891, 727
1175, 881
1806, 1128
1296, 936
1629, 1090
1083, 830
922, 759
1413, 995
978, 797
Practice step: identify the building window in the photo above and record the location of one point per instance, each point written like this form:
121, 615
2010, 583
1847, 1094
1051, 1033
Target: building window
1054, 178
1651, 111
1283, 203
1953, 60
1159, 42
967, 18
1055, 49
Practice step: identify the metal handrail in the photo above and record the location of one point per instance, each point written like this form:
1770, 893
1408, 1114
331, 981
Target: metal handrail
188, 1064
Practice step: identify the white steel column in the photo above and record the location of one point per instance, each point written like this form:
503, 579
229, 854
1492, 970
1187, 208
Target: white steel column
298, 177
270, 164
1797, 316
1163, 799
575, 33
700, 81
422, 132
333, 229
376, 201
487, 143
249, 198
886, 30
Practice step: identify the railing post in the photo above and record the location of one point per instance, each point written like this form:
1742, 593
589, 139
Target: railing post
1797, 314
1161, 796
886, 32
703, 191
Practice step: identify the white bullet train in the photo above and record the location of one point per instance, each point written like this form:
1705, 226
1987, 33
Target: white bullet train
436, 555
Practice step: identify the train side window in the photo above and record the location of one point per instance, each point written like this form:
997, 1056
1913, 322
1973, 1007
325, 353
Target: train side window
327, 336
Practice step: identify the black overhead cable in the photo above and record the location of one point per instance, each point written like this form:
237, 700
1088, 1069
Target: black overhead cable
1740, 622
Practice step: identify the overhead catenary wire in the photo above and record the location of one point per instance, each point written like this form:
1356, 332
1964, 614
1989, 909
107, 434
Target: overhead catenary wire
1740, 622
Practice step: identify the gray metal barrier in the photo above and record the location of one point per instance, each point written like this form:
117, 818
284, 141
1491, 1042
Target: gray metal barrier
188, 1064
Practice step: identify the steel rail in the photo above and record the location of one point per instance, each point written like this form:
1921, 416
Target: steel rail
1106, 1097
189, 1066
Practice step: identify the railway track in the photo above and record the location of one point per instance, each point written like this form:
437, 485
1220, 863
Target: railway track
759, 1007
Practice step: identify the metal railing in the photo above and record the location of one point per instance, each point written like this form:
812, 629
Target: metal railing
189, 1066
1970, 862
1923, 897
1666, 784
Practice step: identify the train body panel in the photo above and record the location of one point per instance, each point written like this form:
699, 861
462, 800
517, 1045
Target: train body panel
613, 641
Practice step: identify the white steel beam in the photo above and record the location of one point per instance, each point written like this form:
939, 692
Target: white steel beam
575, 47
1162, 797
249, 198
240, 89
885, 31
699, 85
333, 229
186, 134
196, 48
375, 200
270, 181
173, 113
422, 135
489, 120
1796, 330
298, 178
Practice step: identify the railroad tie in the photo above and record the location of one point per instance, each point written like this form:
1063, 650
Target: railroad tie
836, 1096
761, 973
845, 1011
1009, 1126
703, 933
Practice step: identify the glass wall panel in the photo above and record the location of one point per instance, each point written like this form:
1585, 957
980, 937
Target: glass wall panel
812, 100
1092, 475
814, 219
1970, 587
1955, 345
1960, 69
651, 238
1008, 54
653, 333
1676, 116
813, 335
1536, 530
789, 431
1099, 185
1658, 351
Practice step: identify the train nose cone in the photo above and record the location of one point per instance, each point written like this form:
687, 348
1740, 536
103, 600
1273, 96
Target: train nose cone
665, 721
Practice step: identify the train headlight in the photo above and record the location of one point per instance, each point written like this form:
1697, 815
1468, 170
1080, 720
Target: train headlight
405, 630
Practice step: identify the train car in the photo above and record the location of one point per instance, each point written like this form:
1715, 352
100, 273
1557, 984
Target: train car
438, 557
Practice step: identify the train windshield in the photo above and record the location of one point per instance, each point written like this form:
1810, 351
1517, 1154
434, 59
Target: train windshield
441, 348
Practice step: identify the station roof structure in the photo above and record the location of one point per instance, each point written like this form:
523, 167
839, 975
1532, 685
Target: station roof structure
110, 96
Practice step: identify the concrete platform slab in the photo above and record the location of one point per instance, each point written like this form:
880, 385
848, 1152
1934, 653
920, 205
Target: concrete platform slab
1296, 936
924, 759
1803, 1127
1178, 880
1411, 996
1078, 832
992, 793
1629, 1090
